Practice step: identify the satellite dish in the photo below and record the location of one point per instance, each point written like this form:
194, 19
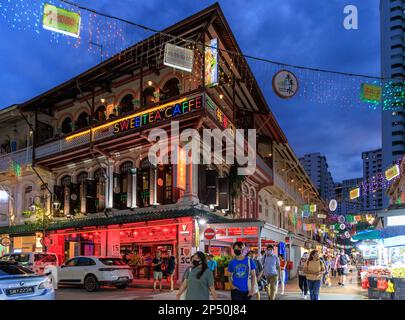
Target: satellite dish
333, 205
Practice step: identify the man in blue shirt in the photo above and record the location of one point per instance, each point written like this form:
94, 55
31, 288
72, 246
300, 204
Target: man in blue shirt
243, 275
272, 272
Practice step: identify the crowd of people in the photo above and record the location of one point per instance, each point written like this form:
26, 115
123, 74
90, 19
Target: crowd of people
249, 273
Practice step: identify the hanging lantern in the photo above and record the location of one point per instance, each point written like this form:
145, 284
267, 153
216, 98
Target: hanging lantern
341, 219
342, 226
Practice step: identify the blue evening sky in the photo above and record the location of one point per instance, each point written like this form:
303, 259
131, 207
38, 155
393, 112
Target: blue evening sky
324, 117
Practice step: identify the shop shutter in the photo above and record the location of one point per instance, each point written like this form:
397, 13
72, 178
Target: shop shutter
211, 187
223, 192
59, 192
90, 191
74, 198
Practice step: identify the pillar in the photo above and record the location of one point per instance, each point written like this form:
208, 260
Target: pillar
134, 180
155, 185
109, 193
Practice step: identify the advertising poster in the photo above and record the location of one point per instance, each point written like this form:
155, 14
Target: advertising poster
211, 63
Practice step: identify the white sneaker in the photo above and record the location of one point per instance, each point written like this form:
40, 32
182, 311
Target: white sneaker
306, 297
302, 294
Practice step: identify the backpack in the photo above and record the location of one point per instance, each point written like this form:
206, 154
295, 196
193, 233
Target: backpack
343, 260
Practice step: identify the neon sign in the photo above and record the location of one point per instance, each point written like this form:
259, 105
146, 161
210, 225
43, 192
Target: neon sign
157, 115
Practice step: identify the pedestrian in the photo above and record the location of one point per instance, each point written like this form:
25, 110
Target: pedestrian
262, 255
157, 270
243, 275
258, 271
283, 264
326, 275
314, 270
272, 272
333, 266
125, 257
199, 282
171, 266
302, 278
342, 265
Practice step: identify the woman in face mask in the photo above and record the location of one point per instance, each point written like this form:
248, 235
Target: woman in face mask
200, 280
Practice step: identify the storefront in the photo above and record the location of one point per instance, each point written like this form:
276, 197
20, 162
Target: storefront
26, 243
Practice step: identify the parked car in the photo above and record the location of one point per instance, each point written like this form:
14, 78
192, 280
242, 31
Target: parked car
20, 283
35, 261
93, 272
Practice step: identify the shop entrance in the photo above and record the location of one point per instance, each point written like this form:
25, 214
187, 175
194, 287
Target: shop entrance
81, 245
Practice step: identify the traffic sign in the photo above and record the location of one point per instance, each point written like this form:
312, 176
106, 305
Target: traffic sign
209, 234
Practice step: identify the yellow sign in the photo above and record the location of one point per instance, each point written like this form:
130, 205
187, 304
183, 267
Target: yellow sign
312, 208
392, 172
354, 194
370, 93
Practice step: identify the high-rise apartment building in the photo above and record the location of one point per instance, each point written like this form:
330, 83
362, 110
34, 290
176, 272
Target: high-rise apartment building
372, 170
392, 20
345, 204
316, 167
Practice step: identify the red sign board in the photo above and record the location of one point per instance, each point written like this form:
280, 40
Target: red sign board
209, 234
234, 231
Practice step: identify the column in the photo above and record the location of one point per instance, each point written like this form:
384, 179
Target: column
109, 193
155, 185
134, 178
190, 196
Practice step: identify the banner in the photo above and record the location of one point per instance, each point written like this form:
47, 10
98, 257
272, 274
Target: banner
61, 20
371, 93
211, 63
392, 172
354, 194
178, 57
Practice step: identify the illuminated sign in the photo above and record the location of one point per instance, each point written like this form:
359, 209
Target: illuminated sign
61, 20
395, 221
371, 93
354, 194
219, 115
211, 63
178, 57
154, 116
312, 208
180, 182
333, 205
392, 172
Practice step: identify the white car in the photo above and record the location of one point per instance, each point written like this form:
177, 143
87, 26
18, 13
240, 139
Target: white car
93, 272
35, 261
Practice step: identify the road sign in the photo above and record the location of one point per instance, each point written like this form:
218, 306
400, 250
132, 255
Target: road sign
209, 234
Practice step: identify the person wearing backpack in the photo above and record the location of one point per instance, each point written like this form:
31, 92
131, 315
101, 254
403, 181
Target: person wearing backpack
242, 274
342, 266
314, 269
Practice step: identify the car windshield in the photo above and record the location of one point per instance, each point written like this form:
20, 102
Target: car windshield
13, 269
20, 257
113, 261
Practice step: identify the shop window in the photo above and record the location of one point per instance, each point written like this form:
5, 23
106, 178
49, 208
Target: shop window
121, 183
100, 190
165, 184
82, 120
170, 89
67, 126
148, 96
65, 181
101, 113
28, 197
126, 104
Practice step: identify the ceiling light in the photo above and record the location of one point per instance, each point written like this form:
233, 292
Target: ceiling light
150, 83
287, 208
102, 100
221, 96
280, 203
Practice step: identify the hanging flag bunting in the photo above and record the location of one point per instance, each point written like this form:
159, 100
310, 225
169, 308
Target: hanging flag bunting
61, 20
312, 208
392, 172
371, 93
355, 193
341, 219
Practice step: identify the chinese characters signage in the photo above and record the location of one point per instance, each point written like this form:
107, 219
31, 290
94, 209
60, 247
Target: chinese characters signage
178, 57
219, 115
61, 20
285, 84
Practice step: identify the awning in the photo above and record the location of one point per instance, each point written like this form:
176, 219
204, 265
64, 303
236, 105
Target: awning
368, 235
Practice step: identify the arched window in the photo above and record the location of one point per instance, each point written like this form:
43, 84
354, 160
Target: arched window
67, 126
148, 97
266, 208
170, 89
81, 177
101, 113
83, 120
127, 104
260, 205
66, 180
121, 184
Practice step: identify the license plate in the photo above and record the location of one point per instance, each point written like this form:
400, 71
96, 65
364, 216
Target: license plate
14, 291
